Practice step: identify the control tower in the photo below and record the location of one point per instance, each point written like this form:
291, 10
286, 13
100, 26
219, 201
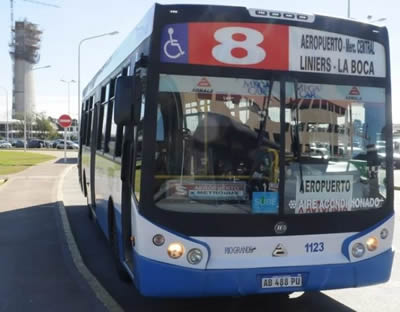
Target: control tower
24, 51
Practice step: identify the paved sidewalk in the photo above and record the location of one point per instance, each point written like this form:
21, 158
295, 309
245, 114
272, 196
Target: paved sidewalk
37, 272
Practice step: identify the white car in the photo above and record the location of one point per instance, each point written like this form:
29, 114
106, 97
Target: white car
70, 145
5, 144
319, 152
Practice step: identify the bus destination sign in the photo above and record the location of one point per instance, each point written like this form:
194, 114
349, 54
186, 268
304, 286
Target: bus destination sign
272, 47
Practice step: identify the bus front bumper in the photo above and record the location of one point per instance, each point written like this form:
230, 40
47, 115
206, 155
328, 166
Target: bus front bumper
158, 279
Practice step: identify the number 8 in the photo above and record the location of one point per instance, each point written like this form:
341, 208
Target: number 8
223, 51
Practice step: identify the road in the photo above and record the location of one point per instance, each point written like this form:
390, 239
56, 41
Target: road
36, 270
97, 256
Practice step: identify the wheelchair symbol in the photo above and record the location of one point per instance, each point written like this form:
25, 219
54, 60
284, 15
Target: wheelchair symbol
174, 44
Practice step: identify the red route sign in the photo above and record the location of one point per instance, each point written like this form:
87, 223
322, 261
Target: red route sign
65, 121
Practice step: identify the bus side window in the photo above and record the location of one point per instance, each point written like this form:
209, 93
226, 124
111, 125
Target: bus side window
102, 106
106, 124
113, 127
108, 107
100, 126
89, 122
83, 125
112, 131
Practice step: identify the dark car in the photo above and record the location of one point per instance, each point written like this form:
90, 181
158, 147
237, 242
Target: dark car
18, 143
36, 143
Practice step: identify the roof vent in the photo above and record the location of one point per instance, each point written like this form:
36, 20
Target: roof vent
282, 15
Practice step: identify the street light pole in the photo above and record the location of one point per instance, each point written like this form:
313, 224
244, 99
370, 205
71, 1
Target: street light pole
6, 93
79, 68
25, 139
348, 8
68, 82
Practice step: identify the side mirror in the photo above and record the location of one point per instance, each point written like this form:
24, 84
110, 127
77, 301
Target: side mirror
127, 100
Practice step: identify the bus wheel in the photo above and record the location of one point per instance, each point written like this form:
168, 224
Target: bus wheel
121, 271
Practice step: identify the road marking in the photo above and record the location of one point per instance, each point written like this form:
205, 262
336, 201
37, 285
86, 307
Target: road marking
94, 284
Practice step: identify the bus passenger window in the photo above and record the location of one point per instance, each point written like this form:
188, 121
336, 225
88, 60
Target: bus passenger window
108, 129
89, 125
113, 132
100, 127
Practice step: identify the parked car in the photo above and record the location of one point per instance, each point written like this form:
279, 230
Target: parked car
319, 152
35, 143
18, 143
5, 144
56, 142
382, 158
70, 145
48, 144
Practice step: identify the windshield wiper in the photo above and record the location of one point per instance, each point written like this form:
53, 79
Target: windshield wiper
265, 110
296, 139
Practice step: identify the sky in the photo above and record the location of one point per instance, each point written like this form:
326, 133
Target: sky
63, 28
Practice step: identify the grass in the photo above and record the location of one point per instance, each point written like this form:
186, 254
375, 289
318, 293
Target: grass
13, 162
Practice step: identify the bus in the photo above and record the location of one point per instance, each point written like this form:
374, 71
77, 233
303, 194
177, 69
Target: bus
233, 151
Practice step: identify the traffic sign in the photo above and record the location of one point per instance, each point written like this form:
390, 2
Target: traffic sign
65, 121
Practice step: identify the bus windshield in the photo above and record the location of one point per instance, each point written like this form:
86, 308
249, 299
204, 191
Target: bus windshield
218, 144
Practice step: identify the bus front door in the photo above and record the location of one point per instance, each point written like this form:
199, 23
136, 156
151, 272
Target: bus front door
127, 173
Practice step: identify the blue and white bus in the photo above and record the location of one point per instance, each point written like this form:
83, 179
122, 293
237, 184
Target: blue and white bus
233, 151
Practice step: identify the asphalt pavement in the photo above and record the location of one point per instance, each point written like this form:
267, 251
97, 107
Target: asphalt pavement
37, 272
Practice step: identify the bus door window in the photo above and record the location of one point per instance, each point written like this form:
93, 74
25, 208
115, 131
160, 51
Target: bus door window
138, 153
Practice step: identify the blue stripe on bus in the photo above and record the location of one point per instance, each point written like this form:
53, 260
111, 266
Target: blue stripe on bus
165, 280
350, 239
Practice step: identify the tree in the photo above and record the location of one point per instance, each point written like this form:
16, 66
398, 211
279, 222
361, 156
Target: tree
20, 124
44, 127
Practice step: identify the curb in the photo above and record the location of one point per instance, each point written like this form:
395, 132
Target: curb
102, 295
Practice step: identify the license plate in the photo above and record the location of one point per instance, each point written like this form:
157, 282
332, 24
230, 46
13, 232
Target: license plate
282, 281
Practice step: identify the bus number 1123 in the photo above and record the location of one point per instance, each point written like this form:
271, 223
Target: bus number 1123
314, 247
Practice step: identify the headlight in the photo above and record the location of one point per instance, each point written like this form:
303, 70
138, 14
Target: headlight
194, 256
372, 243
175, 250
358, 250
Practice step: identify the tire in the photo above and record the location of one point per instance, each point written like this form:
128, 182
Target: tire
121, 271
